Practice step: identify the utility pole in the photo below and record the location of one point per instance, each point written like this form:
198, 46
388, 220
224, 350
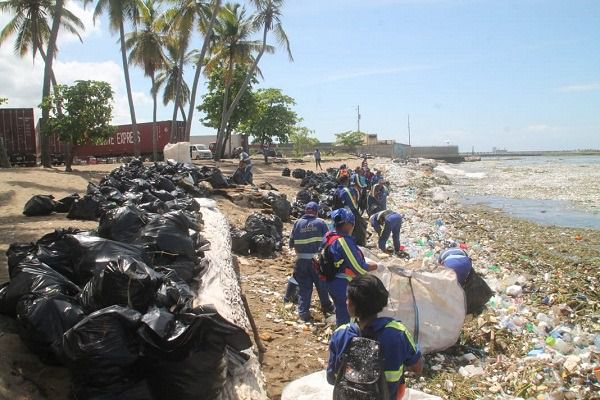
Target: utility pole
358, 117
409, 129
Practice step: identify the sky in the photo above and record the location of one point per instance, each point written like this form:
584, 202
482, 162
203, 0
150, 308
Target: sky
514, 74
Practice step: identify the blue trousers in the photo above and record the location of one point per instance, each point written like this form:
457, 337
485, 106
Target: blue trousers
307, 277
392, 226
337, 289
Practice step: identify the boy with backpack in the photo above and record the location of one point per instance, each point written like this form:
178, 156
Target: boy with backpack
340, 260
367, 358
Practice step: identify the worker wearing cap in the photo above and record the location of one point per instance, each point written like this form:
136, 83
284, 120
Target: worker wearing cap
385, 223
306, 238
348, 259
244, 171
348, 196
459, 261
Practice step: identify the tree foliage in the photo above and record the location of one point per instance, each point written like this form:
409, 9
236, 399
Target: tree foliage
212, 101
302, 139
3, 100
273, 117
350, 138
86, 112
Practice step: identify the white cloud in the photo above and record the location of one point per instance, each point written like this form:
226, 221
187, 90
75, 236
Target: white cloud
584, 87
343, 76
86, 15
539, 128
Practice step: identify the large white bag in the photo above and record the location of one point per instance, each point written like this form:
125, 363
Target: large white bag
432, 305
179, 152
315, 387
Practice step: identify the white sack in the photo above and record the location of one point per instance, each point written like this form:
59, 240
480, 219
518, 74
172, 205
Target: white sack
219, 286
439, 304
179, 152
315, 387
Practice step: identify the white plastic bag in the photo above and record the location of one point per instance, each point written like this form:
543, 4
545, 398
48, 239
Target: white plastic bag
179, 152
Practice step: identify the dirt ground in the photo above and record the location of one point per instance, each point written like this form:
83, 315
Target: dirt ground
293, 349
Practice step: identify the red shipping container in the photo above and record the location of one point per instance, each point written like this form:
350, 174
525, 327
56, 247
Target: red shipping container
17, 130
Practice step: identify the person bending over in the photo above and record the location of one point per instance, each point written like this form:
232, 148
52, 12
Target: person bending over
367, 296
385, 223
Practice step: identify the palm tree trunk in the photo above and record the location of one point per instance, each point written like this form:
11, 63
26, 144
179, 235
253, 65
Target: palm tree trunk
243, 88
221, 132
4, 160
205, 45
183, 116
177, 94
154, 128
58, 11
136, 136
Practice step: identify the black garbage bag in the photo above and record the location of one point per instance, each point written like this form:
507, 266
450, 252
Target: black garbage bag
477, 293
186, 269
87, 208
39, 205
162, 183
174, 294
186, 352
103, 354
263, 245
55, 250
286, 172
360, 230
64, 205
299, 173
186, 204
240, 241
43, 321
123, 282
17, 252
122, 224
217, 180
156, 207
280, 205
112, 194
269, 225
169, 233
303, 196
163, 195
92, 253
373, 206
31, 277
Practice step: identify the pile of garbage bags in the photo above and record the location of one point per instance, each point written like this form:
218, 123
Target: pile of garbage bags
262, 235
116, 306
318, 187
156, 189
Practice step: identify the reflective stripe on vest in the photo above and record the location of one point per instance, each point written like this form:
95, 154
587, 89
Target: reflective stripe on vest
314, 239
351, 198
395, 375
351, 257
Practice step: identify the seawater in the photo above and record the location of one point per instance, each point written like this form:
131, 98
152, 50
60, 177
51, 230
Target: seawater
561, 191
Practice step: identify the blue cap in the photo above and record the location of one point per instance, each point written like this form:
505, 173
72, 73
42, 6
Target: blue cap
454, 251
312, 206
342, 216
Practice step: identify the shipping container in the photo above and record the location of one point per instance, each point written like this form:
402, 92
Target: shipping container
17, 130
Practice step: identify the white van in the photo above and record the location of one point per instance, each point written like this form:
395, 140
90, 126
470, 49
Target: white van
200, 152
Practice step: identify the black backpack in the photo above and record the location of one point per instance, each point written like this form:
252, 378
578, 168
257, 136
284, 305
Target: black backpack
324, 262
361, 374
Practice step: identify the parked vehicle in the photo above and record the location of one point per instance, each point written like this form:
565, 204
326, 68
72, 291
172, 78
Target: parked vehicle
200, 152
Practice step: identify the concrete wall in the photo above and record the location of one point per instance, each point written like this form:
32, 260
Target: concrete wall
434, 151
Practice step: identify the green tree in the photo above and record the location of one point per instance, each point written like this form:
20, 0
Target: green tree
3, 100
212, 103
268, 17
86, 112
273, 118
350, 138
146, 51
120, 12
302, 139
4, 161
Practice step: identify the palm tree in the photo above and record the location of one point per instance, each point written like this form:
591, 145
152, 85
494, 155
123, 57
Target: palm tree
146, 50
232, 50
268, 17
168, 77
120, 12
30, 24
207, 30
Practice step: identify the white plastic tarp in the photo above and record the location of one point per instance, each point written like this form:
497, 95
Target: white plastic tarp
315, 387
179, 152
432, 305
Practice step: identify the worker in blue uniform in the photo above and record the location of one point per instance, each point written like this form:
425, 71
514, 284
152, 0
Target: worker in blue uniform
367, 296
459, 261
380, 193
305, 239
348, 260
243, 174
385, 223
348, 196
